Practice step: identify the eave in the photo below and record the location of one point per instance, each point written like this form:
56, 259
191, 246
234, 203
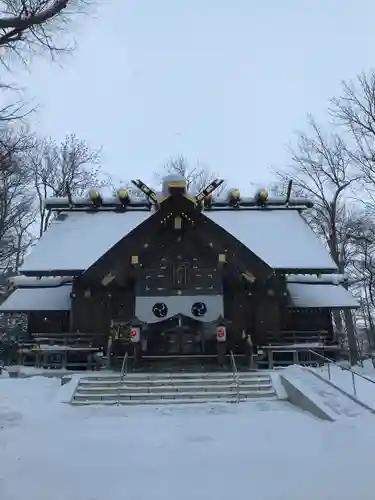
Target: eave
53, 272
306, 270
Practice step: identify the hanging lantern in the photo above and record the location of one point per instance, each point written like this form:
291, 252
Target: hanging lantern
135, 335
221, 334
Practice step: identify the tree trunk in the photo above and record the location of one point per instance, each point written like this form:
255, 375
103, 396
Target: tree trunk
349, 323
369, 322
352, 341
339, 326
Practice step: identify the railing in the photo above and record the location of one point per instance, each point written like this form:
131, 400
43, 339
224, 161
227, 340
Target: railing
124, 367
297, 337
123, 373
235, 375
353, 373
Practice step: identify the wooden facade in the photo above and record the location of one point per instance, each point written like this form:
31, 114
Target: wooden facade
178, 252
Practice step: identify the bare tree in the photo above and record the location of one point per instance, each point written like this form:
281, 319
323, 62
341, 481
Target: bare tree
322, 170
197, 177
16, 199
58, 168
35, 25
354, 111
15, 143
361, 267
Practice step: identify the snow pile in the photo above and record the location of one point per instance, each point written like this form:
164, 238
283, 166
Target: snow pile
266, 450
66, 392
28, 396
364, 389
31, 371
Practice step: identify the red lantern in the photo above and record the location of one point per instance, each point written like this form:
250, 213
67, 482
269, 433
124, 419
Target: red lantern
135, 335
221, 334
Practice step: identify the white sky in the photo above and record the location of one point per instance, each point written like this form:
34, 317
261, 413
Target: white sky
225, 83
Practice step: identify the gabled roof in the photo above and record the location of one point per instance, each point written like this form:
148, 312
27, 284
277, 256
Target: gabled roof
75, 240
148, 229
281, 238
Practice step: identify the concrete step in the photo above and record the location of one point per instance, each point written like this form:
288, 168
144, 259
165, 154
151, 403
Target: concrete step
155, 388
179, 375
203, 396
173, 388
159, 402
173, 382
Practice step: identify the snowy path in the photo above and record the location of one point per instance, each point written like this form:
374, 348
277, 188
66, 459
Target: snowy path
267, 451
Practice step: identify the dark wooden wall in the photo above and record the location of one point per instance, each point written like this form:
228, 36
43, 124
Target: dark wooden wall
306, 320
93, 309
253, 308
48, 322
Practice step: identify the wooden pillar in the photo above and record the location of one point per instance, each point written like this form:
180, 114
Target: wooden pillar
136, 354
249, 349
221, 350
270, 359
64, 359
89, 361
109, 349
295, 357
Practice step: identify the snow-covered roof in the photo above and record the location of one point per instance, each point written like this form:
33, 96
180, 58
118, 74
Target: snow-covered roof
331, 279
281, 238
46, 281
38, 299
46, 347
79, 239
325, 296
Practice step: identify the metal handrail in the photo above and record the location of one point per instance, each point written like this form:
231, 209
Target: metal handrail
124, 367
123, 372
235, 374
354, 373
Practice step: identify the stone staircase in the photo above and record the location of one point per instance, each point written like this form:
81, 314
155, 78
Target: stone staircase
173, 388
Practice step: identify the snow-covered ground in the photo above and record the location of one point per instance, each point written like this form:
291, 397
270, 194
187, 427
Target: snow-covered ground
268, 451
31, 371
